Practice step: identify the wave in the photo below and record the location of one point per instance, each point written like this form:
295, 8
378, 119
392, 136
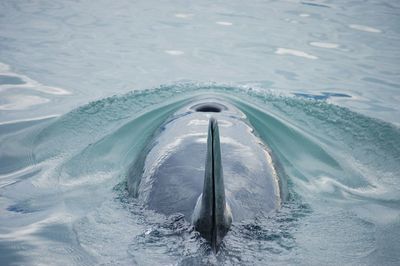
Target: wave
330, 157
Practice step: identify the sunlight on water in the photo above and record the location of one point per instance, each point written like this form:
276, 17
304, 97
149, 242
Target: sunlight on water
21, 102
324, 45
285, 51
174, 52
364, 28
224, 23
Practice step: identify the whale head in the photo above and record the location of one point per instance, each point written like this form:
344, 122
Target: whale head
206, 163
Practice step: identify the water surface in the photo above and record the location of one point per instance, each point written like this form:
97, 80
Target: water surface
83, 85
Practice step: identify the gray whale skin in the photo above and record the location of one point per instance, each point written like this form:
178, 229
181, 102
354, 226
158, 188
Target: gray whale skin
207, 163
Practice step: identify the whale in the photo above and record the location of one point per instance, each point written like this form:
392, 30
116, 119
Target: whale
207, 163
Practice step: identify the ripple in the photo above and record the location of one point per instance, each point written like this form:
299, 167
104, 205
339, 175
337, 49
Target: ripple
174, 52
6, 79
325, 45
322, 96
10, 80
364, 28
16, 124
224, 23
4, 67
315, 4
285, 51
80, 21
21, 102
381, 82
183, 15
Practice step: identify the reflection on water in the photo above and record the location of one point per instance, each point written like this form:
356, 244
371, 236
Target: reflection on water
285, 51
324, 45
364, 28
21, 102
19, 92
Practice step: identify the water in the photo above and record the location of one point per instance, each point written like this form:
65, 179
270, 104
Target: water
318, 80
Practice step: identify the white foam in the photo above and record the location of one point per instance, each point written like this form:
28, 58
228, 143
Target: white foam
21, 102
174, 52
85, 180
327, 45
364, 28
224, 23
284, 51
304, 15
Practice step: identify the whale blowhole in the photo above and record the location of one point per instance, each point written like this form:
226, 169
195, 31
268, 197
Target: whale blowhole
209, 107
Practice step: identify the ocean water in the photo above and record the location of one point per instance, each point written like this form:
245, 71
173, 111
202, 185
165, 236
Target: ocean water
83, 84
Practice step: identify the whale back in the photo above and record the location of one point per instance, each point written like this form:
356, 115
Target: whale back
173, 174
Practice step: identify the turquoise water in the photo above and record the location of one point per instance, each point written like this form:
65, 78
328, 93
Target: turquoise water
318, 81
